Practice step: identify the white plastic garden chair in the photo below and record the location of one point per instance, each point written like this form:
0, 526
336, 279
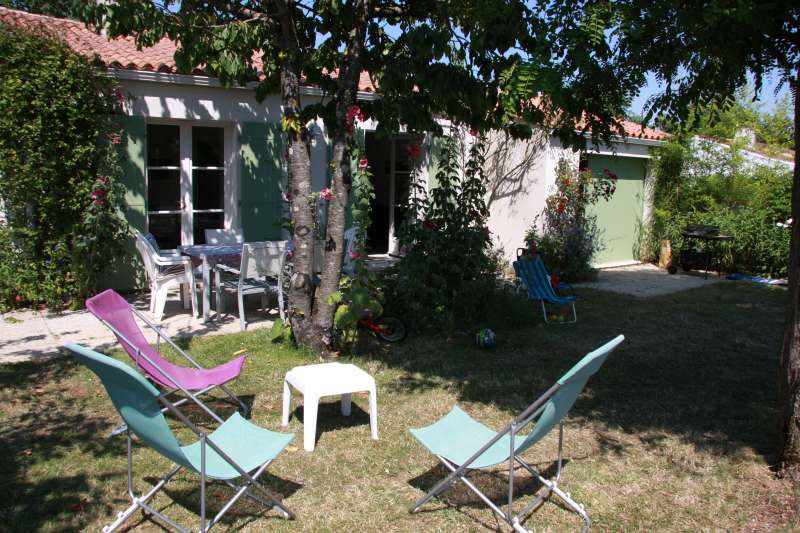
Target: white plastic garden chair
260, 272
163, 273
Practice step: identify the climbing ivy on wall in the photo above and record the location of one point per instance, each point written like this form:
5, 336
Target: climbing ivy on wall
61, 201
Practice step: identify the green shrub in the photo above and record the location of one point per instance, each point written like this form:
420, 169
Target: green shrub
746, 201
567, 236
449, 271
58, 162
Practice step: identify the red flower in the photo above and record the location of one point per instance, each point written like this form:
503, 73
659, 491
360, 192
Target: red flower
562, 208
354, 112
114, 138
18, 298
610, 175
431, 225
363, 163
99, 197
413, 151
326, 194
567, 181
354, 255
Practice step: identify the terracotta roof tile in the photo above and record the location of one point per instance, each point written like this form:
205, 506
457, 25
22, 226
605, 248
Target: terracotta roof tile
120, 52
632, 129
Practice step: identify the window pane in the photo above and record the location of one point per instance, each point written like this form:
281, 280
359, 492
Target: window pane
163, 190
167, 230
204, 221
207, 188
163, 146
401, 155
207, 147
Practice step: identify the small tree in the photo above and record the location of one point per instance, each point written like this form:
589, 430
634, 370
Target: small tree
59, 168
447, 271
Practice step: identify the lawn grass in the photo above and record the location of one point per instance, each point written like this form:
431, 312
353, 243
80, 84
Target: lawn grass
675, 433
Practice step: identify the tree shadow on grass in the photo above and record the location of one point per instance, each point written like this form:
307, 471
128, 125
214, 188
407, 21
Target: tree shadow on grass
699, 365
493, 483
46, 419
218, 494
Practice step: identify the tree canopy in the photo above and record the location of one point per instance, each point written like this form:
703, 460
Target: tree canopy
494, 64
54, 8
474, 62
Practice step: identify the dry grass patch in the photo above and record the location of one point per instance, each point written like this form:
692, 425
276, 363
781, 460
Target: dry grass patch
675, 433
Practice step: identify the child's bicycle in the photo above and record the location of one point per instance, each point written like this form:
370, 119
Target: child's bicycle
386, 328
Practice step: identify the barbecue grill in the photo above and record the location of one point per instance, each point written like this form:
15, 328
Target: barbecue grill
700, 249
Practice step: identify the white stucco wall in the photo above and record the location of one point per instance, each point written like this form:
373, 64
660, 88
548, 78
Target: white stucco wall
187, 102
174, 99
521, 176
521, 173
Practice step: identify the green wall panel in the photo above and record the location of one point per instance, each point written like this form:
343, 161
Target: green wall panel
261, 149
127, 272
434, 156
619, 219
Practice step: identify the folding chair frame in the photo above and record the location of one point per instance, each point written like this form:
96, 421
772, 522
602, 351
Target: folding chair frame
269, 499
189, 396
574, 314
551, 485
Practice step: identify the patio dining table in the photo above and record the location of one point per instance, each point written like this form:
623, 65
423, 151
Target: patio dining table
208, 253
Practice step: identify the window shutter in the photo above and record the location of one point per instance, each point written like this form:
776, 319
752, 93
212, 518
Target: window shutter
262, 173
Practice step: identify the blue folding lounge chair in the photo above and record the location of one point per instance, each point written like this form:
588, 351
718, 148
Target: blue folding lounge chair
537, 280
236, 449
463, 444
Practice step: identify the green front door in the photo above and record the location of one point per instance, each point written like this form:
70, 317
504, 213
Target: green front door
620, 218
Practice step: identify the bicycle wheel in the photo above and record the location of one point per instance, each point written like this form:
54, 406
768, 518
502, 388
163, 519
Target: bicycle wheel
391, 329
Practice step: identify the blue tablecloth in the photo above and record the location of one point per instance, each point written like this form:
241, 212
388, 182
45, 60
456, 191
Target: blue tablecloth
212, 250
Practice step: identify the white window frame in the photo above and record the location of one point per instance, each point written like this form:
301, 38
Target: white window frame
394, 240
230, 213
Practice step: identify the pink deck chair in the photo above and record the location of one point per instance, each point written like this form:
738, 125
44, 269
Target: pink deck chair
118, 315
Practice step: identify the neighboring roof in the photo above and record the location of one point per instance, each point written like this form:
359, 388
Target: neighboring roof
709, 147
120, 52
632, 129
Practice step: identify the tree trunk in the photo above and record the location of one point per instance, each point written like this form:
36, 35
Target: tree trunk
346, 96
789, 376
299, 163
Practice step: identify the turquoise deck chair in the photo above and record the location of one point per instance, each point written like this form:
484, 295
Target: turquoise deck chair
533, 272
464, 445
236, 449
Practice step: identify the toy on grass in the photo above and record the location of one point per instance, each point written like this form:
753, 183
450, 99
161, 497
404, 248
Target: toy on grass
485, 338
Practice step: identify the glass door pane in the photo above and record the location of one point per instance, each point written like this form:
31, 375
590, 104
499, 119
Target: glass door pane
379, 154
166, 227
402, 181
164, 184
208, 180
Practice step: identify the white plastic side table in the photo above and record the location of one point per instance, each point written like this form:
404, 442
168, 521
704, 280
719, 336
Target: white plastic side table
328, 379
